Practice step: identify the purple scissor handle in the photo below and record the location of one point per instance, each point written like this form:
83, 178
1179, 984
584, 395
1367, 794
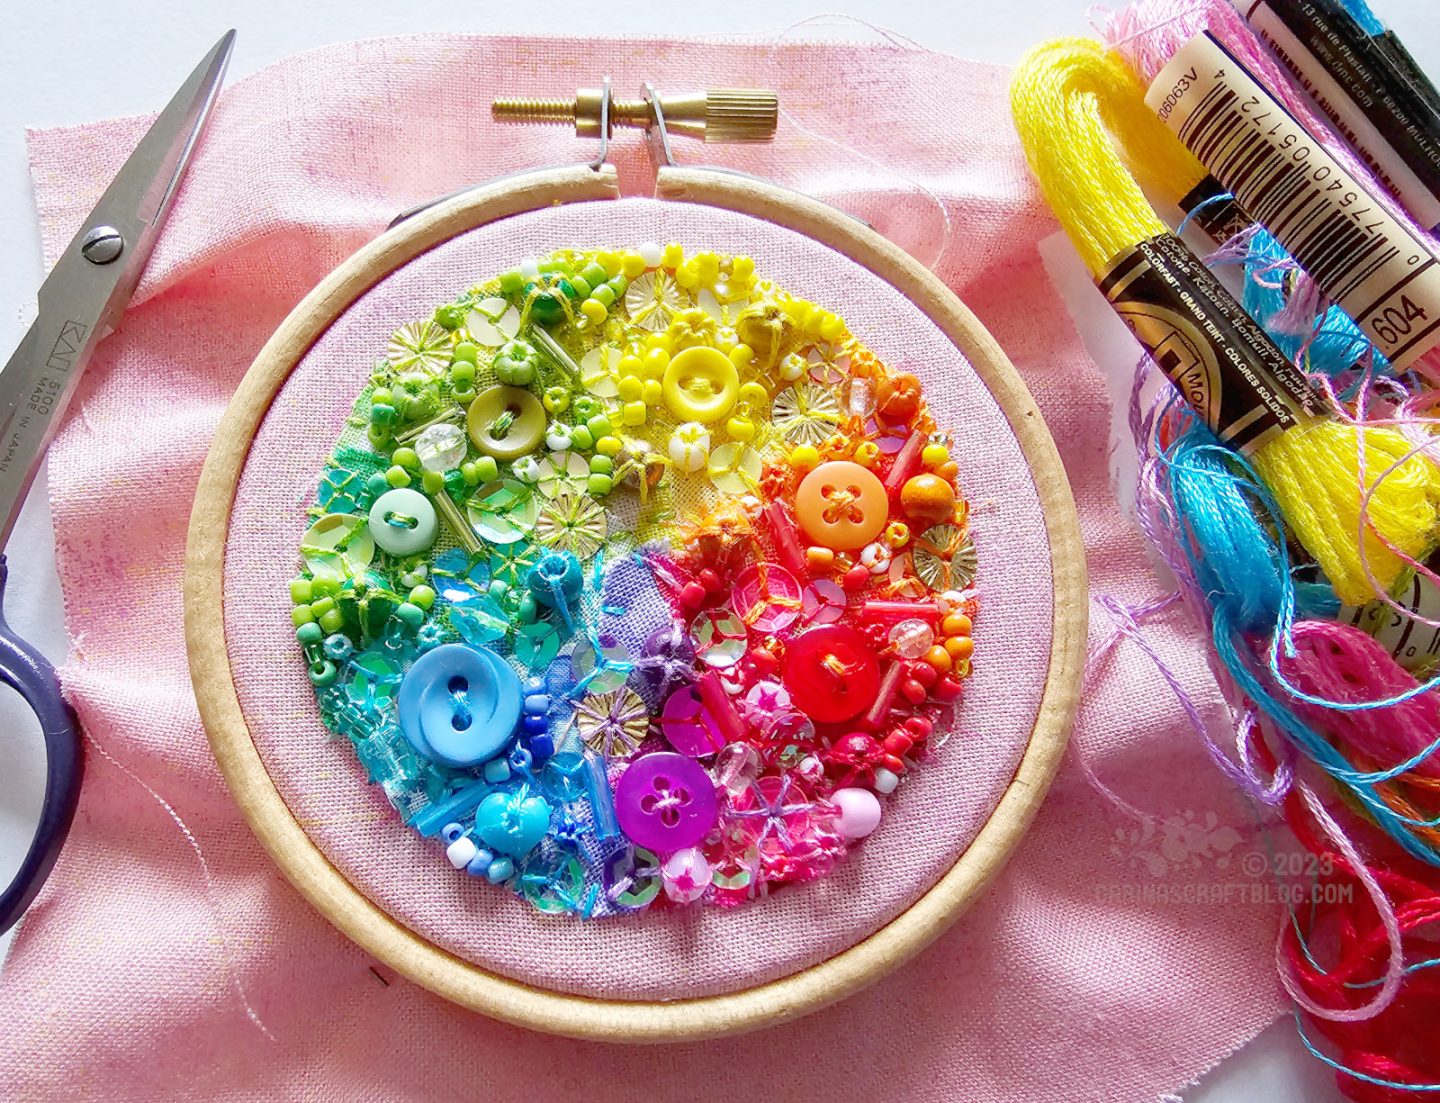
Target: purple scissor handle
30, 674
80, 302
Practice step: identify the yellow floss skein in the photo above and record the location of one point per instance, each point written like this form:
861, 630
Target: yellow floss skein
1072, 101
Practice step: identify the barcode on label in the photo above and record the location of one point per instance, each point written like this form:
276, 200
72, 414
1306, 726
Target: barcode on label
1376, 269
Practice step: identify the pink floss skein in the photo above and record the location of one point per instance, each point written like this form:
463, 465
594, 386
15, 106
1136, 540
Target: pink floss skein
1342, 663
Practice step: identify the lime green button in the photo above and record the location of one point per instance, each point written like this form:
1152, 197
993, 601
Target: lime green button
506, 422
700, 384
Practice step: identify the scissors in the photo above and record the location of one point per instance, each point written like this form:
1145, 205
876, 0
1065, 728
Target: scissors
79, 303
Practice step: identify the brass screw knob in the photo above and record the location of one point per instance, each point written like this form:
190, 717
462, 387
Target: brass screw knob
716, 115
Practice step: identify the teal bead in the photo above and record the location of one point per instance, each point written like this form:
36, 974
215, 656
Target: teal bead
527, 611
310, 633
410, 615
512, 823
382, 415
323, 673
558, 576
377, 484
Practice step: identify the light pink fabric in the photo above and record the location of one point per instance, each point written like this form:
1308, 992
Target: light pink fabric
144, 968
659, 955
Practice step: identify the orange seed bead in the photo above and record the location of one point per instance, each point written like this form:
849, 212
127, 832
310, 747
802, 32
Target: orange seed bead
956, 624
959, 647
939, 658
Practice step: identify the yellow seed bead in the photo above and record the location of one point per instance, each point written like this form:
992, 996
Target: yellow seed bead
608, 446
742, 269
656, 361
687, 277
660, 341
934, 455
673, 256
630, 387
611, 262
800, 312
707, 264
594, 311
742, 355
897, 534
741, 428
867, 454
630, 364
832, 327
632, 264
753, 399
804, 457
634, 413
653, 393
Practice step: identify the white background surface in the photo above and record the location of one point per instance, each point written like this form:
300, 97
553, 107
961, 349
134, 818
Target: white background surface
71, 61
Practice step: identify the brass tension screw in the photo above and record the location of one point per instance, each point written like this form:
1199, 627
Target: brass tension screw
716, 115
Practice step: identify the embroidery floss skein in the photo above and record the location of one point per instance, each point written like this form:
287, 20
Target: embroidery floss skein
1068, 97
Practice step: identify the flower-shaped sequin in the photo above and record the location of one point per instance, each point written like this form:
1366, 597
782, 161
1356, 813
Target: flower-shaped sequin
422, 346
613, 724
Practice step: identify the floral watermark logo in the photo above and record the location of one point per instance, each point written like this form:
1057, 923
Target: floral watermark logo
1184, 842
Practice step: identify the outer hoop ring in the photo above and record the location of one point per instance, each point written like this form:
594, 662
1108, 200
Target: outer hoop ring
512, 1001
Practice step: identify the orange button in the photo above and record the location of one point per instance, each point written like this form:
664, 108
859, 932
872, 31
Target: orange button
842, 505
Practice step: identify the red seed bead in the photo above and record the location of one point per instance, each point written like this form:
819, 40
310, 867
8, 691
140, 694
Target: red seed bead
919, 727
923, 673
898, 743
949, 689
893, 763
692, 595
710, 580
856, 579
913, 691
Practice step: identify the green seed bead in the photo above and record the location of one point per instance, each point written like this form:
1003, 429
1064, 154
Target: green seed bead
593, 274
332, 621
309, 633
301, 614
601, 465
528, 611
433, 482
511, 281
499, 589
382, 415
463, 395
546, 310
381, 396
450, 316
302, 591
410, 614
548, 266
603, 294
324, 585
600, 485
599, 426
556, 400
379, 438
586, 407
462, 373
397, 476
582, 438
471, 473
487, 469
465, 353
581, 286
406, 458
323, 673
376, 484
322, 605
618, 284
423, 596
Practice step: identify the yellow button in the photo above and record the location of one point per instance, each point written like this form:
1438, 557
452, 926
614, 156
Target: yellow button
842, 505
506, 422
701, 384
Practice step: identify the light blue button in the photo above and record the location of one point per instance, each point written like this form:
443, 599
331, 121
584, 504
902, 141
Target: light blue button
459, 705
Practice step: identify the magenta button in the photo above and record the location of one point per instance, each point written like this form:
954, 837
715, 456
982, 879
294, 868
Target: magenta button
665, 802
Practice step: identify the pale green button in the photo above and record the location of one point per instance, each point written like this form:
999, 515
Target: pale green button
402, 522
506, 422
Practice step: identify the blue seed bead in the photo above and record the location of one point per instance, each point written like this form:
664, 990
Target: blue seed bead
497, 770
541, 747
501, 869
537, 704
535, 725
338, 647
480, 864
534, 686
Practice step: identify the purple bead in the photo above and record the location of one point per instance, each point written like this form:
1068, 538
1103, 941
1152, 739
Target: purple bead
666, 802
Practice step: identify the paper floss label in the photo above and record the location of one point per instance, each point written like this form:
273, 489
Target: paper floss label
1412, 643
1379, 273
1358, 88
1224, 365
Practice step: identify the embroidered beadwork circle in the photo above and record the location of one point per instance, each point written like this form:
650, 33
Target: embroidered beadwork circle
636, 581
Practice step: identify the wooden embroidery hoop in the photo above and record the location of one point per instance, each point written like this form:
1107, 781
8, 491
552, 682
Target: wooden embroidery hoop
469, 985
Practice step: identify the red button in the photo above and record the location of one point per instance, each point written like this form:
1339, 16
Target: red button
832, 673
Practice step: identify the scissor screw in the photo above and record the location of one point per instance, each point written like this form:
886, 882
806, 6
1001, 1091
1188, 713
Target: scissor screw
102, 245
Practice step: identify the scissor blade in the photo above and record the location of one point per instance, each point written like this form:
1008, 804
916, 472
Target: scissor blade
81, 298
